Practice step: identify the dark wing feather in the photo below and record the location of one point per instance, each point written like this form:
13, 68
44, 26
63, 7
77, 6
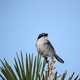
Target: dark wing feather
52, 50
50, 47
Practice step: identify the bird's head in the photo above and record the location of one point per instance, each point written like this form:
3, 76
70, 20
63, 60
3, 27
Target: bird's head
42, 35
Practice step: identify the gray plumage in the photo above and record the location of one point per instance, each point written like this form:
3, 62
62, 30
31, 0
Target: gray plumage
45, 48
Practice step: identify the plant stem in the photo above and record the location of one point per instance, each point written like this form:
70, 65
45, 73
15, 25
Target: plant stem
50, 70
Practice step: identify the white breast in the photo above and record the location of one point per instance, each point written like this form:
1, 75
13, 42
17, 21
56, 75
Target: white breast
41, 47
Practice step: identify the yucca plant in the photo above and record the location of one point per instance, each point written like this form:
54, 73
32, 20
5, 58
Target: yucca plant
28, 68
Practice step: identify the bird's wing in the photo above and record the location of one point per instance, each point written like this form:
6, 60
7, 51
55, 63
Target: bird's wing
50, 47
53, 52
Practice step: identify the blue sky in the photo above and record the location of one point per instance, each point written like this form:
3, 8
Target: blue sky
22, 20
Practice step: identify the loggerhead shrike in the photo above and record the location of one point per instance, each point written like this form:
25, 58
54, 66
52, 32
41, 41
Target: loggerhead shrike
45, 48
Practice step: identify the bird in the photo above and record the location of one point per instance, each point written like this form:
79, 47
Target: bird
45, 48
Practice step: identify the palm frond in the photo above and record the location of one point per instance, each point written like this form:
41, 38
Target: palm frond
64, 75
55, 76
70, 78
76, 78
29, 68
7, 71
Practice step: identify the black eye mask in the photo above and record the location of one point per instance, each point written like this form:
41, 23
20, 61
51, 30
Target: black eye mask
42, 35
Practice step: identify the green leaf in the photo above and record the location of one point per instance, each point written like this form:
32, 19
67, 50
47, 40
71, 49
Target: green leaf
16, 66
55, 76
7, 71
76, 78
64, 75
70, 78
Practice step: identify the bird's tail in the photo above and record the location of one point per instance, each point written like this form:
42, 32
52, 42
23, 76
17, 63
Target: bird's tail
59, 59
